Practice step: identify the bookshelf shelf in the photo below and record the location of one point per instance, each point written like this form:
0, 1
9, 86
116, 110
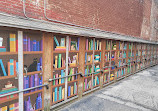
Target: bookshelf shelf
88, 64
7, 77
39, 109
56, 69
56, 52
33, 52
72, 51
72, 81
53, 86
8, 100
97, 50
31, 73
57, 101
71, 96
8, 53
87, 77
96, 74
107, 50
95, 86
34, 92
97, 62
88, 50
87, 89
73, 66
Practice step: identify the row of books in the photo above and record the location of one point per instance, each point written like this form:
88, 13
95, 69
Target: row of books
88, 58
59, 61
74, 45
32, 81
32, 45
88, 84
71, 72
108, 77
89, 44
11, 68
74, 60
38, 103
97, 45
107, 56
60, 46
122, 46
121, 72
88, 70
12, 107
72, 89
59, 81
9, 87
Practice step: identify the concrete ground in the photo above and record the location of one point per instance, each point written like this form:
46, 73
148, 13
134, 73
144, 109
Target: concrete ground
138, 92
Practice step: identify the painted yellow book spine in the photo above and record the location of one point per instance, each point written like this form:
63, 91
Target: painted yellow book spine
56, 61
72, 90
12, 43
53, 96
63, 93
59, 79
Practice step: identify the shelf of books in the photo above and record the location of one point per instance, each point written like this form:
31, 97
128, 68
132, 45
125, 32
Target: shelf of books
8, 69
107, 62
129, 58
73, 67
33, 75
92, 63
148, 55
143, 55
59, 69
66, 84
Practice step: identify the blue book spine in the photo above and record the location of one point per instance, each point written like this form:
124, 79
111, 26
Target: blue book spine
69, 91
56, 41
3, 69
40, 82
37, 46
11, 67
60, 93
37, 99
40, 61
55, 96
93, 82
97, 80
62, 71
31, 45
38, 66
78, 43
27, 83
95, 45
86, 57
34, 45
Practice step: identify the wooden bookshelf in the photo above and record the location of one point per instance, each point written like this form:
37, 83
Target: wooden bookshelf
57, 101
7, 77
8, 100
31, 93
32, 52
53, 86
56, 52
31, 73
71, 96
8, 53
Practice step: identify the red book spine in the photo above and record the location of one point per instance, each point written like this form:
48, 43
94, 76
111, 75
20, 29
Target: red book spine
16, 45
15, 67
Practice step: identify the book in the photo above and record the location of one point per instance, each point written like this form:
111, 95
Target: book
56, 41
1, 41
12, 43
34, 45
25, 43
60, 92
59, 61
69, 90
2, 69
63, 93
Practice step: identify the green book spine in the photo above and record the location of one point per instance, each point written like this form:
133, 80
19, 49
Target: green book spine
59, 61
54, 80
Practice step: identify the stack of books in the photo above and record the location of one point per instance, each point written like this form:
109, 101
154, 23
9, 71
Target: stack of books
97, 58
72, 89
59, 81
32, 81
33, 45
2, 48
73, 45
73, 62
89, 44
7, 89
96, 68
59, 61
88, 58
61, 46
97, 45
58, 94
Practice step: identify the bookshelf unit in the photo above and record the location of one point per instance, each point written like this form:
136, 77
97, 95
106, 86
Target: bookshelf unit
8, 67
33, 70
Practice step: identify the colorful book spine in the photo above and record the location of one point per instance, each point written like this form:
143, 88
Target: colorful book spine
59, 61
11, 67
12, 43
2, 67
34, 45
25, 43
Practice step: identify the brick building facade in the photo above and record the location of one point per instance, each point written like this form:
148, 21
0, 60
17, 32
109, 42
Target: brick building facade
127, 17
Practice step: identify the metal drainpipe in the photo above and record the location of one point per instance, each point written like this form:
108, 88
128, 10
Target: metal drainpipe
24, 9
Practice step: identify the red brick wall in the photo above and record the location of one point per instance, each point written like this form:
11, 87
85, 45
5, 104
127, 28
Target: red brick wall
121, 16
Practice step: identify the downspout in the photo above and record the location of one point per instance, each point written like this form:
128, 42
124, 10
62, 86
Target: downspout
24, 9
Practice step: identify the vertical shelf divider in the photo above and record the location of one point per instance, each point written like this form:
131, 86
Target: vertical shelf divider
20, 64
